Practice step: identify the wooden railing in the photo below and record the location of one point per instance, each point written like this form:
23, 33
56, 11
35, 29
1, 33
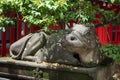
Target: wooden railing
106, 35
109, 34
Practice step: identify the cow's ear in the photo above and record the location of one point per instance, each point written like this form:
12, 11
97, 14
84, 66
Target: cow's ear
90, 38
68, 31
87, 32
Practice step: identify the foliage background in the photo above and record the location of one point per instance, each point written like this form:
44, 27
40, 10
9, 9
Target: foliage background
112, 51
45, 13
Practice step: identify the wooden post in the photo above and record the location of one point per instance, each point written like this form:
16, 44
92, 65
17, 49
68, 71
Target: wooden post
3, 52
4, 44
26, 28
12, 30
19, 29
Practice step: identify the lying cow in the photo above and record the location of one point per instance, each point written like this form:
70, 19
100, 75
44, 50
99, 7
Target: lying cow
75, 46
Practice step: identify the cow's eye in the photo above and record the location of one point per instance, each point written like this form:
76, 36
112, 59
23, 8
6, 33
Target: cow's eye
72, 38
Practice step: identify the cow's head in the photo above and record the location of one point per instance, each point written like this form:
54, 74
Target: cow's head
82, 40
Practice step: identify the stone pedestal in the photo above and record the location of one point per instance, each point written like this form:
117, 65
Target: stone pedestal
24, 70
93, 73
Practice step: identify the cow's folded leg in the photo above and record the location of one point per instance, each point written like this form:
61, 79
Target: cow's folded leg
32, 47
29, 58
38, 57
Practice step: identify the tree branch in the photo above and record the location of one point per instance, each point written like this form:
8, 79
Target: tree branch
107, 21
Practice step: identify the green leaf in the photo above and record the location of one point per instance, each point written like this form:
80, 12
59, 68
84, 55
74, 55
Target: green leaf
46, 29
112, 1
1, 11
3, 29
29, 24
61, 15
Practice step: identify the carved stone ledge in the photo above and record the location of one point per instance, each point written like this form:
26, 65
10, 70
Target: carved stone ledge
10, 68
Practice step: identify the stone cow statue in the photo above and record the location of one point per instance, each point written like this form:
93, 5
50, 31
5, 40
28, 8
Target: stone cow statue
76, 46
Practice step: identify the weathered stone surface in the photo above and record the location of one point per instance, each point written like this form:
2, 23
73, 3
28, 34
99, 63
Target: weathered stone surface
24, 70
60, 47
